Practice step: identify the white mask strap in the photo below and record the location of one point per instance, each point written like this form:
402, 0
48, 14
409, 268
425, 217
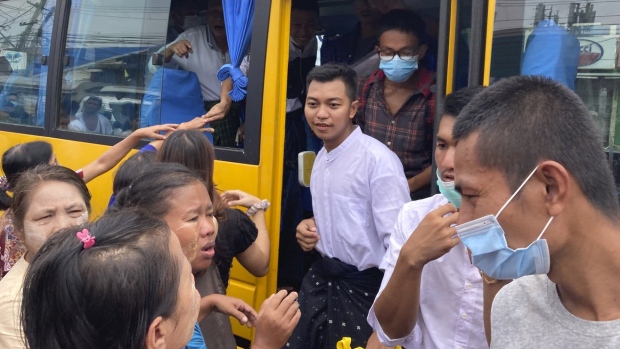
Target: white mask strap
515, 193
545, 228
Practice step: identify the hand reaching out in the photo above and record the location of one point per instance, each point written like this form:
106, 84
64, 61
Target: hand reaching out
239, 198
277, 318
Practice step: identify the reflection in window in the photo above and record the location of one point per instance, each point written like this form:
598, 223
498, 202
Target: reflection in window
109, 45
583, 54
25, 28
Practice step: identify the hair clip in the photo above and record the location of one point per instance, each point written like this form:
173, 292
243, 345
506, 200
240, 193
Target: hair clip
85, 238
4, 183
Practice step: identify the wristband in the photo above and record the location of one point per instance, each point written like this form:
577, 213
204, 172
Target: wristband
263, 205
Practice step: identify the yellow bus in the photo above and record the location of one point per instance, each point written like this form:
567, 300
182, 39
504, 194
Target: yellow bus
56, 53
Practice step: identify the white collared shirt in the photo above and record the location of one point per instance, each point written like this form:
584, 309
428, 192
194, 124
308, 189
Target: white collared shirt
450, 314
205, 60
357, 190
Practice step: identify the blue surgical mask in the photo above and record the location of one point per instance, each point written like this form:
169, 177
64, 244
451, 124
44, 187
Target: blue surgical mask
399, 70
447, 190
486, 240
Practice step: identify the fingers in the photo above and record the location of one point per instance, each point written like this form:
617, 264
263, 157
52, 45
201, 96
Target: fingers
207, 129
445, 209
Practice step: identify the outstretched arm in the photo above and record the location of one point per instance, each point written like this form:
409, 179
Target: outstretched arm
117, 152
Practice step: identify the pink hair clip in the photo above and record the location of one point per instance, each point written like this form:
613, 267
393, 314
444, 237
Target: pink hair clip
85, 238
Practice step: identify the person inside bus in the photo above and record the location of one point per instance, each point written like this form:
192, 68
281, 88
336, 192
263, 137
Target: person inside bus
25, 156
45, 200
351, 47
298, 137
358, 187
203, 50
90, 120
546, 216
397, 103
434, 268
180, 197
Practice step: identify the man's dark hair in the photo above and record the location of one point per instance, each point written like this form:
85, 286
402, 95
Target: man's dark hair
105, 296
335, 71
456, 101
404, 21
524, 120
131, 168
306, 6
95, 98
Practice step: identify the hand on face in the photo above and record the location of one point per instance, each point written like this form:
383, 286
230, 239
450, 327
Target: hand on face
277, 318
433, 238
307, 234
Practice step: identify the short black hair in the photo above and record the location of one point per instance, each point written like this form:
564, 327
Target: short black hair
306, 5
335, 71
404, 21
524, 120
96, 98
131, 168
105, 296
457, 100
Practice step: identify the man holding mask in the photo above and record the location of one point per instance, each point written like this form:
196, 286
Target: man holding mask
539, 205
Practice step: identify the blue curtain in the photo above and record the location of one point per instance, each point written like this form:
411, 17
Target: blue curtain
239, 19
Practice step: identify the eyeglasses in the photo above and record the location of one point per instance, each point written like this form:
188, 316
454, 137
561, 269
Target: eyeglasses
407, 54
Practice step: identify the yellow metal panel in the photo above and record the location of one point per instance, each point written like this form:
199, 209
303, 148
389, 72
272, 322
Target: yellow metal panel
74, 155
452, 37
489, 44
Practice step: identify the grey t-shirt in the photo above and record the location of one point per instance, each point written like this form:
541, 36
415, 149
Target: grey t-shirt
527, 313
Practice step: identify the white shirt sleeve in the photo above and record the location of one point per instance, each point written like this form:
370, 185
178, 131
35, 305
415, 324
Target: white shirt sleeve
397, 240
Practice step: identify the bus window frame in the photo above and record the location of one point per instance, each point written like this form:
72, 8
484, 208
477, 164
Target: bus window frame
249, 154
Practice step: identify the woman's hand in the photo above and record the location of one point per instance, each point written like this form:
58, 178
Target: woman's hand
239, 198
236, 308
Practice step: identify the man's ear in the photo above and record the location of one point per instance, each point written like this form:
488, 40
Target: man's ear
156, 334
354, 105
557, 184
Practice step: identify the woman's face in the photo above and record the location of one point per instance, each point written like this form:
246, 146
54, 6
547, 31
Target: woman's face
52, 206
182, 321
191, 218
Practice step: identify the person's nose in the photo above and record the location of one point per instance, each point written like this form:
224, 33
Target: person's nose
448, 160
207, 228
322, 112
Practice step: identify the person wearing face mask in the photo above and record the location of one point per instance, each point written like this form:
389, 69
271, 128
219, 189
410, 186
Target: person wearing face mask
540, 206
442, 307
397, 103
46, 199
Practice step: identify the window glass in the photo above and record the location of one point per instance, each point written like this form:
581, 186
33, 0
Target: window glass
25, 33
105, 76
463, 31
588, 36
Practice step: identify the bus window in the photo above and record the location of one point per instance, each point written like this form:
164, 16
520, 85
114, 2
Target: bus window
104, 76
575, 43
26, 32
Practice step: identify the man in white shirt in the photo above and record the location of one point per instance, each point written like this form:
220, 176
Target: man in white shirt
431, 295
204, 50
89, 119
358, 186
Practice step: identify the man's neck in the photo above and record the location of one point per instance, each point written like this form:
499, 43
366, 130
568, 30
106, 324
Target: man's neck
586, 269
329, 146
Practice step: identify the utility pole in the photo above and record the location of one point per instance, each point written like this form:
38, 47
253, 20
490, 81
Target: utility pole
38, 8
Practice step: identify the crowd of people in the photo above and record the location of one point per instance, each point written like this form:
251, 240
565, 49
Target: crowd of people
518, 248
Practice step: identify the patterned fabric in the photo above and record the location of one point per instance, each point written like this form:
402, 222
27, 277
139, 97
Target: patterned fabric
226, 129
11, 247
409, 132
334, 299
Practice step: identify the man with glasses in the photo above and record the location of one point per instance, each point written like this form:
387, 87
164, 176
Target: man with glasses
396, 102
